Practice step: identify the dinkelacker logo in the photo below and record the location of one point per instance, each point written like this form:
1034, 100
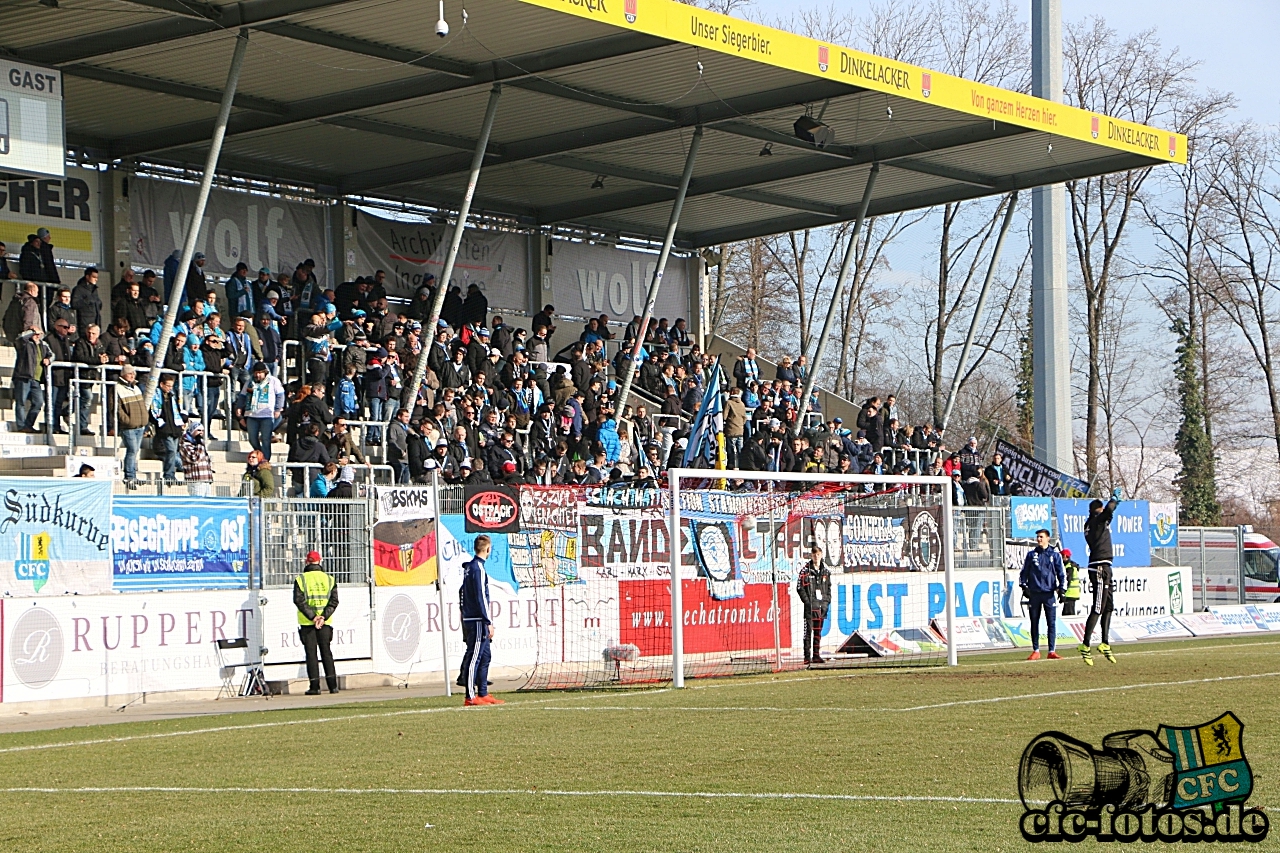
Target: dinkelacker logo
1174, 784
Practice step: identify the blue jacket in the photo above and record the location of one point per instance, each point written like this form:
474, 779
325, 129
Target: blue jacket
608, 437
474, 594
1042, 571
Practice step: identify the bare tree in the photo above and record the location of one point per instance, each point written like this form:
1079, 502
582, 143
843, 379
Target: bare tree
1244, 249
1135, 79
757, 315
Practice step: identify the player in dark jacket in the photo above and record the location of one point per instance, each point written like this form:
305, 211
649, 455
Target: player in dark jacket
1041, 580
814, 588
1097, 535
477, 626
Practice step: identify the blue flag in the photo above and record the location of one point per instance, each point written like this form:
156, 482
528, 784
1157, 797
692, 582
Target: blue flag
704, 438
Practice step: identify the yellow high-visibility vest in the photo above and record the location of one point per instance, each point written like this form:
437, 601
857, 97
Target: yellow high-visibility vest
316, 585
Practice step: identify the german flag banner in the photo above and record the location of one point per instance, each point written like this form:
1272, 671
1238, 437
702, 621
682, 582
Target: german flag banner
404, 553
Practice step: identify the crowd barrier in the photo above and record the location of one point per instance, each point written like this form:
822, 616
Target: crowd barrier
127, 594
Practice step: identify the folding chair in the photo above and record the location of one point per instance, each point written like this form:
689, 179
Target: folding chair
254, 682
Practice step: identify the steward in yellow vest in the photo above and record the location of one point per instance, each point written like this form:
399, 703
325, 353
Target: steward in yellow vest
315, 594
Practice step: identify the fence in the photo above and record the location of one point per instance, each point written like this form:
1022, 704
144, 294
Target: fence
341, 530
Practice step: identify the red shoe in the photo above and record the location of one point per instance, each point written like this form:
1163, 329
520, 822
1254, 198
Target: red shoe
491, 700
1054, 656
1034, 656
471, 703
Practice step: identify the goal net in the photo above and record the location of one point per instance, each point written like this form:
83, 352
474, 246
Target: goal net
882, 599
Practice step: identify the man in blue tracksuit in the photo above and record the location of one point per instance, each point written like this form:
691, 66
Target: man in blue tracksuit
1042, 580
477, 628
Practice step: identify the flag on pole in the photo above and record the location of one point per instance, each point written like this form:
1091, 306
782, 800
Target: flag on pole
706, 444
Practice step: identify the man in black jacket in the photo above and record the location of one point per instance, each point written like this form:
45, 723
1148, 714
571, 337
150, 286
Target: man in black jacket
85, 300
90, 351
1097, 535
814, 588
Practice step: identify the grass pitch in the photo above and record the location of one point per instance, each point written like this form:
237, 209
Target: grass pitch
911, 759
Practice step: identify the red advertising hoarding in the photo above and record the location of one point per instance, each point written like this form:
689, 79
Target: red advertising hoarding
732, 625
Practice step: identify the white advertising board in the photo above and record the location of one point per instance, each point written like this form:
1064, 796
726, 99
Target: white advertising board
110, 645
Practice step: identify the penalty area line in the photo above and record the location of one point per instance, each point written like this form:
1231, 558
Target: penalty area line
533, 792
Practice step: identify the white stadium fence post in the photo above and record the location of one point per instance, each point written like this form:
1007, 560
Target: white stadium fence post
948, 556
677, 601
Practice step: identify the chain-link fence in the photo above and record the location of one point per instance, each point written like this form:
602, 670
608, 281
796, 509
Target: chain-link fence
340, 530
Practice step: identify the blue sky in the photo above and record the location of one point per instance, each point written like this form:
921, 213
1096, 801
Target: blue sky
1235, 39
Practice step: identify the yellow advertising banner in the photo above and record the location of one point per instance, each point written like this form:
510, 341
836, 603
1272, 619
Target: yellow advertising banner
693, 26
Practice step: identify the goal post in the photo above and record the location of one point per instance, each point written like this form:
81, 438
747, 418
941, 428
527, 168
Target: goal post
831, 504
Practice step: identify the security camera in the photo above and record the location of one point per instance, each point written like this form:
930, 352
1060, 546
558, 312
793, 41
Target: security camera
442, 26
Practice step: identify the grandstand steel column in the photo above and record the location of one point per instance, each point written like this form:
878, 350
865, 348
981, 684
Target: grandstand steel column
1051, 359
455, 242
197, 215
620, 405
841, 280
977, 311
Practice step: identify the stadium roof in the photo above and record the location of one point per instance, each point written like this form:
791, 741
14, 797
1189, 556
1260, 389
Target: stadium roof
362, 98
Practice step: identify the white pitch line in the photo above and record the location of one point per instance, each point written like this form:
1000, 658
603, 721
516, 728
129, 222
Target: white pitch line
535, 792
1083, 690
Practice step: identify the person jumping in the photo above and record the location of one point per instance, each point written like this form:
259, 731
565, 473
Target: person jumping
1097, 535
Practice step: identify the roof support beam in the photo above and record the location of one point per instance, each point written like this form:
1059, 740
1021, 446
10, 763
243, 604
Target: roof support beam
592, 167
170, 87
784, 169
566, 141
250, 13
398, 91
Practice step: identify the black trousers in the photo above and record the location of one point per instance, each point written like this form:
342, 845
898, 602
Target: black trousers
814, 618
313, 638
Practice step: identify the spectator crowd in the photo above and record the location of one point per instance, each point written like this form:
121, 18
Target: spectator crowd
497, 403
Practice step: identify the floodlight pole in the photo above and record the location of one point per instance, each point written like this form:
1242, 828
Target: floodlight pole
620, 404
197, 215
841, 280
977, 311
1051, 348
428, 339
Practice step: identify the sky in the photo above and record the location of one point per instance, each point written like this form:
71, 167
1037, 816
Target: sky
1235, 39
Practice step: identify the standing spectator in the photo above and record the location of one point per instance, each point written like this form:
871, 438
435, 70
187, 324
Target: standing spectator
197, 467
1042, 581
30, 264
735, 422
90, 351
263, 409
814, 588
23, 312
33, 360
131, 420
60, 343
47, 263
5, 272
745, 370
999, 480
544, 319
195, 285
166, 415
61, 308
85, 300
269, 344
477, 627
308, 450
398, 445
315, 594
130, 308
240, 354
240, 301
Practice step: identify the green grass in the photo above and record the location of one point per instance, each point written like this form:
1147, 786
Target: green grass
820, 733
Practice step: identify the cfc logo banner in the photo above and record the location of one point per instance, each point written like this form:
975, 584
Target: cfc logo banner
1179, 783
